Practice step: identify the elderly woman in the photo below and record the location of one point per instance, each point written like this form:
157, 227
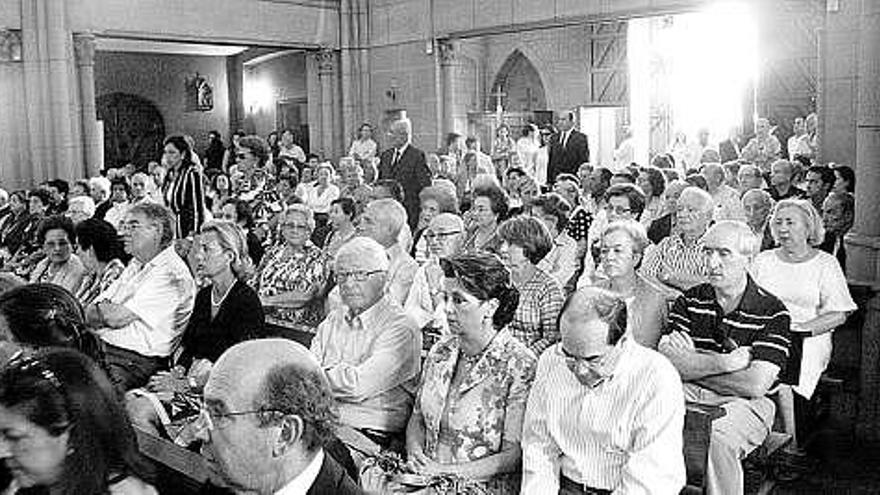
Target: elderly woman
102, 254
561, 262
488, 208
12, 233
342, 214
64, 428
425, 303
622, 246
525, 241
60, 266
291, 279
813, 287
467, 417
433, 200
653, 183
226, 312
120, 194
185, 194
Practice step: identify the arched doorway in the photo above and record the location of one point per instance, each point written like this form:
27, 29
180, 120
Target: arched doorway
519, 86
133, 129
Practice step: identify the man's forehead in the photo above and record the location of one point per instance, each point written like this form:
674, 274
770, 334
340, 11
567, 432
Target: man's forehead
354, 261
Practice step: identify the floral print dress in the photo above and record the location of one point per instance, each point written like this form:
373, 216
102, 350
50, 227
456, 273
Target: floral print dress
283, 270
468, 417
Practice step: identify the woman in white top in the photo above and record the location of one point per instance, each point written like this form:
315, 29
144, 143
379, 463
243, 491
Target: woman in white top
288, 149
527, 148
363, 148
811, 284
319, 197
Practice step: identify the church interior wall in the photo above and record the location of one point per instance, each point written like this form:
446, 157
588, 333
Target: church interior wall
249, 22
285, 78
161, 78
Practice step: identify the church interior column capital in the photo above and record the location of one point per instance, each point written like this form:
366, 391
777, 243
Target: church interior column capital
326, 59
84, 48
10, 45
447, 51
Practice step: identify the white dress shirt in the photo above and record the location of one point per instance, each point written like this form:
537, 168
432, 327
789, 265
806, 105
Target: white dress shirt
624, 435
161, 293
372, 363
301, 484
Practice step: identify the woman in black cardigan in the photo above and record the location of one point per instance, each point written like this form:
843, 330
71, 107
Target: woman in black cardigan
225, 313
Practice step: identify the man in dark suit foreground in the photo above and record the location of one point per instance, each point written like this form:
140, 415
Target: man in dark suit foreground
568, 148
406, 164
267, 418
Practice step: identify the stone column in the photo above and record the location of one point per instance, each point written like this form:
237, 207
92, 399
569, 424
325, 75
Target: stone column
446, 51
326, 70
84, 48
863, 243
13, 141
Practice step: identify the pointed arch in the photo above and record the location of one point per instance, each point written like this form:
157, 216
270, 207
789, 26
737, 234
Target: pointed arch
521, 84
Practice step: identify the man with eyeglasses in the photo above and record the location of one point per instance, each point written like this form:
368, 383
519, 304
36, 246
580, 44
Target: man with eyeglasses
730, 342
267, 421
368, 347
142, 315
677, 261
605, 415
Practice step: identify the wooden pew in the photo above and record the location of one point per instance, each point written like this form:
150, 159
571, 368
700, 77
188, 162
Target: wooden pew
697, 434
180, 471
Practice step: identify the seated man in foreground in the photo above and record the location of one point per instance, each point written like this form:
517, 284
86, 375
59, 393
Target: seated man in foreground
730, 341
605, 414
368, 347
142, 315
267, 418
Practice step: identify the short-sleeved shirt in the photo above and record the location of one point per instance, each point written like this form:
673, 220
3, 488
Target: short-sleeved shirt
534, 322
760, 320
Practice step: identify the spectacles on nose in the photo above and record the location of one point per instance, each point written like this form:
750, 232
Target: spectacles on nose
430, 235
618, 210
359, 276
208, 421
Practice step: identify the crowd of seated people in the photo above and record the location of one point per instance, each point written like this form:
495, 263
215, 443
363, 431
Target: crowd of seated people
447, 322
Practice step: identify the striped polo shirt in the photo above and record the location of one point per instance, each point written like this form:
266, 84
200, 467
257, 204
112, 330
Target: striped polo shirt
760, 321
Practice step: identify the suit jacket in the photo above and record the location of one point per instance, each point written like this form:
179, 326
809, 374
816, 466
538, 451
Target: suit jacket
567, 159
332, 480
412, 172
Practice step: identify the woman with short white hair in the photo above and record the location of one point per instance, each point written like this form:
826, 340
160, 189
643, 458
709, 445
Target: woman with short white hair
813, 287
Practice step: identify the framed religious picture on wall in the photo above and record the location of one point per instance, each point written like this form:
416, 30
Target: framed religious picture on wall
199, 94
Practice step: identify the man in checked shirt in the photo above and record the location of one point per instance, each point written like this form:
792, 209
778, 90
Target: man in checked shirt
730, 342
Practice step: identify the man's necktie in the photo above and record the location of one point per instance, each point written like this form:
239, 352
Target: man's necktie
395, 158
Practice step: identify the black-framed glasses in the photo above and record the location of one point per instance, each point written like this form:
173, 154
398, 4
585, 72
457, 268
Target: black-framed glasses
357, 276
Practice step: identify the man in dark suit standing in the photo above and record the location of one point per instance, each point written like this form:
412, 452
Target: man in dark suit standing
268, 421
406, 164
568, 148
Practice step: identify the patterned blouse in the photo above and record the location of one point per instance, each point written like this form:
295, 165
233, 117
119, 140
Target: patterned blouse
540, 301
468, 415
283, 270
92, 284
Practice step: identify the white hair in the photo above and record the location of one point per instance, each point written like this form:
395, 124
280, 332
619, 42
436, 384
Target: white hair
404, 123
364, 248
101, 183
391, 213
88, 204
707, 203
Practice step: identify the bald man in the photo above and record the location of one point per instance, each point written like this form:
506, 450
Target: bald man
267, 417
730, 342
406, 164
605, 414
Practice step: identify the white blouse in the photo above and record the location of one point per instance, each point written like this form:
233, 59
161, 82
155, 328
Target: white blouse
808, 289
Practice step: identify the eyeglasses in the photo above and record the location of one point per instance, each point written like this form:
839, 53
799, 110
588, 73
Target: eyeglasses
56, 245
430, 235
295, 226
134, 226
211, 421
578, 359
619, 210
358, 276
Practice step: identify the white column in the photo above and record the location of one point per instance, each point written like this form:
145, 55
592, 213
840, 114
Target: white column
326, 70
84, 47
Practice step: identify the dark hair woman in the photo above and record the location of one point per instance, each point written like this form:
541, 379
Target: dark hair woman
64, 429
473, 431
102, 254
60, 266
185, 194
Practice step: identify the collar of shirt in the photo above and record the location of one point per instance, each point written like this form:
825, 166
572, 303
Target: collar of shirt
400, 151
368, 316
301, 484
